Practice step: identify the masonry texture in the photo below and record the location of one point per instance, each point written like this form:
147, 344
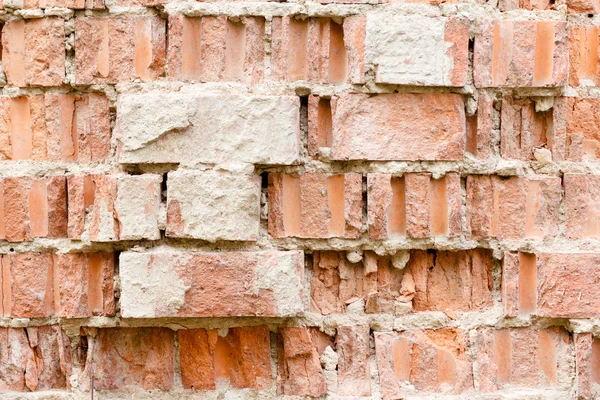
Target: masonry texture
335, 199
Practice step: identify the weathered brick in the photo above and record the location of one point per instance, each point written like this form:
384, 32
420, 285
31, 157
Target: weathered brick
523, 129
137, 206
299, 370
581, 131
128, 357
190, 127
413, 205
507, 5
353, 346
431, 361
315, 205
75, 4
34, 359
213, 206
521, 54
315, 49
582, 197
241, 358
120, 49
584, 6
34, 208
417, 50
403, 126
432, 280
587, 351
556, 285
171, 283
66, 285
583, 55
216, 48
522, 358
55, 127
119, 207
33, 52
480, 128
514, 207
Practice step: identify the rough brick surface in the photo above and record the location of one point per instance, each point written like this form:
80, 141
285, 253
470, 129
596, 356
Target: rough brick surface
423, 51
196, 128
398, 127
521, 54
413, 205
203, 284
72, 285
241, 357
119, 49
332, 199
55, 127
213, 206
551, 284
514, 207
33, 52
34, 359
315, 205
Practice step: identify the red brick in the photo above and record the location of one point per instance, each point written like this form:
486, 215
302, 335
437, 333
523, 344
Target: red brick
216, 48
414, 205
556, 285
312, 49
315, 205
584, 6
111, 50
521, 54
34, 359
432, 361
104, 225
582, 127
354, 38
129, 357
432, 280
33, 52
480, 128
34, 208
55, 127
119, 207
299, 369
582, 196
353, 346
587, 350
522, 357
514, 207
396, 126
241, 358
77, 285
583, 55
211, 284
84, 284
523, 129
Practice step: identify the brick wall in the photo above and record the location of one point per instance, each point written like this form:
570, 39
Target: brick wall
384, 199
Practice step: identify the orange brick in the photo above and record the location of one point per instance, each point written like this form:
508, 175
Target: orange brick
414, 205
315, 205
521, 54
555, 285
513, 207
242, 357
111, 50
33, 52
216, 49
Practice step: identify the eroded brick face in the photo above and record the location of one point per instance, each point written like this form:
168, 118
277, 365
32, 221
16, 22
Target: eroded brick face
332, 199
